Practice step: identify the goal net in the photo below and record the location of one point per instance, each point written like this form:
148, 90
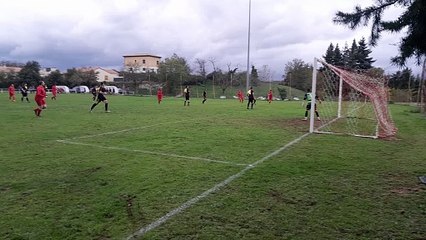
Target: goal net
350, 102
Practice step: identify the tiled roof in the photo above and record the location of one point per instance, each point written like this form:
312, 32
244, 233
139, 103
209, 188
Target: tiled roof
141, 55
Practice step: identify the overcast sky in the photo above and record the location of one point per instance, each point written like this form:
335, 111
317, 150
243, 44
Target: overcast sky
76, 33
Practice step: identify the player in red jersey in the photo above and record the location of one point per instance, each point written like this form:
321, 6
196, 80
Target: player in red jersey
240, 96
159, 95
54, 91
40, 99
12, 93
270, 96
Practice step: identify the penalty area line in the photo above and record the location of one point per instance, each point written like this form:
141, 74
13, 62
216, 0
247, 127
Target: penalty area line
150, 152
203, 195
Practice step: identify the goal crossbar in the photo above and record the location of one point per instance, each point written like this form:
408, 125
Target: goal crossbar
370, 88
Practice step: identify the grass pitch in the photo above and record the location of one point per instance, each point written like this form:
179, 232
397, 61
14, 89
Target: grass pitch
77, 175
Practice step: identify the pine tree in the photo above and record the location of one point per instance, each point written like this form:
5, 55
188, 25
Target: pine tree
329, 54
346, 55
338, 58
353, 55
400, 79
254, 76
412, 21
363, 59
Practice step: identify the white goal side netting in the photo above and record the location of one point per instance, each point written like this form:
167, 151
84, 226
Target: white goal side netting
350, 102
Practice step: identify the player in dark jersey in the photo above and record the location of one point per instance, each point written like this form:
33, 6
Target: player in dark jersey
186, 93
94, 92
251, 100
101, 91
24, 92
204, 96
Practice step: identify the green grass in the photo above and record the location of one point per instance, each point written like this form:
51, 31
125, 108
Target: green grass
109, 186
261, 89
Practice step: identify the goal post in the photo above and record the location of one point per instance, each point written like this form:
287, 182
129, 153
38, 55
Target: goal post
352, 102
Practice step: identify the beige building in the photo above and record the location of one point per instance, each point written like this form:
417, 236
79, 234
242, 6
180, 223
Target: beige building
141, 63
102, 74
46, 71
107, 75
14, 70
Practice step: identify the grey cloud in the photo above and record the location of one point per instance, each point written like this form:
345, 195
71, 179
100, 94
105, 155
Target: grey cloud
281, 31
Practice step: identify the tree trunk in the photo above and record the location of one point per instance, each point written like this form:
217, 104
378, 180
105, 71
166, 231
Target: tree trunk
423, 88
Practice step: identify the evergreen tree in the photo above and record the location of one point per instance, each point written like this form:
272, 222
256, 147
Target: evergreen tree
329, 54
175, 71
353, 55
412, 21
55, 77
338, 57
30, 73
301, 74
400, 79
346, 55
363, 59
254, 76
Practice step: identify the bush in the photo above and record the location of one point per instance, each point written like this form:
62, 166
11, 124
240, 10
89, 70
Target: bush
282, 92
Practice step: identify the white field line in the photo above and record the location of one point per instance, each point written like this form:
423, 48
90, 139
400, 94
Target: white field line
150, 152
215, 188
122, 131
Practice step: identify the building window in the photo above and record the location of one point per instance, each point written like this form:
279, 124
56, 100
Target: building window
143, 61
106, 78
158, 62
144, 69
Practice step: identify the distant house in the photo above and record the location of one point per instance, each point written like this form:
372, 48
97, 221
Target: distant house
141, 63
106, 75
103, 74
46, 71
12, 70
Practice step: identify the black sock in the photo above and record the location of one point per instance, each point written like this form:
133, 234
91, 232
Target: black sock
306, 113
106, 107
93, 106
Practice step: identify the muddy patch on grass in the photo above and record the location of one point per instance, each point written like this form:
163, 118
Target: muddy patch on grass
406, 191
403, 184
279, 197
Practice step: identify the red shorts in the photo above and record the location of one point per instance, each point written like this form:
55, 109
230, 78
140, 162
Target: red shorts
40, 101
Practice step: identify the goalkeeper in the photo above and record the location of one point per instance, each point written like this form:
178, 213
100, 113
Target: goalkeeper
308, 98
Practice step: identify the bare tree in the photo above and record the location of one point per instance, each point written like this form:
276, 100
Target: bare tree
201, 67
265, 74
231, 73
213, 62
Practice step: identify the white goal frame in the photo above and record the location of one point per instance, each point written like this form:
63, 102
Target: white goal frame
384, 124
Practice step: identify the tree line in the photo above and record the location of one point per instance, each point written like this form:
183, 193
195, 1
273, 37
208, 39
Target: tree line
412, 44
30, 75
298, 74
173, 74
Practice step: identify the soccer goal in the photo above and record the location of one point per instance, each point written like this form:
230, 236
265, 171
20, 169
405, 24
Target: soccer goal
352, 102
